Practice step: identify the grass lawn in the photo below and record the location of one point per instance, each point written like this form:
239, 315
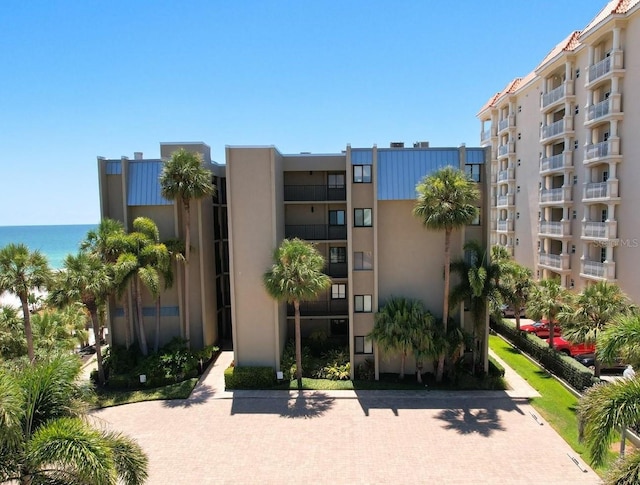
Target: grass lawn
556, 404
181, 390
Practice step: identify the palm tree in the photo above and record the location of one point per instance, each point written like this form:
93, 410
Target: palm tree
516, 283
622, 339
478, 286
395, 325
446, 201
546, 300
45, 437
22, 271
295, 276
12, 341
86, 280
591, 311
184, 178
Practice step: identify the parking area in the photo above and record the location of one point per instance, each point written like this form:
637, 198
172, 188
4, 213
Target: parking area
347, 437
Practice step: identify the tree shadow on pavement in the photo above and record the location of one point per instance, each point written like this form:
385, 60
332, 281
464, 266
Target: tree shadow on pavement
286, 406
469, 421
198, 396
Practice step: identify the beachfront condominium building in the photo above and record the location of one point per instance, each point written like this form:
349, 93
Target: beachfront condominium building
564, 142
355, 206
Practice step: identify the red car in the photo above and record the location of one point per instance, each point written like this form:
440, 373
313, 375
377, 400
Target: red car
562, 345
540, 329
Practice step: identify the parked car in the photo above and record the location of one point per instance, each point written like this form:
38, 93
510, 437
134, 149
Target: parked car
562, 345
589, 360
509, 312
540, 329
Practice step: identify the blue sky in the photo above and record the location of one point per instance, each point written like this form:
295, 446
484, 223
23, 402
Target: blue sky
87, 78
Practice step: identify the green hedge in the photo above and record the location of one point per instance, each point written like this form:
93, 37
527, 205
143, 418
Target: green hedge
131, 382
565, 367
495, 369
249, 377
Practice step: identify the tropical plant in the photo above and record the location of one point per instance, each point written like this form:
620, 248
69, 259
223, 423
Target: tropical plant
12, 341
622, 339
44, 438
21, 272
86, 280
184, 179
55, 330
295, 276
478, 285
591, 311
446, 201
515, 286
546, 300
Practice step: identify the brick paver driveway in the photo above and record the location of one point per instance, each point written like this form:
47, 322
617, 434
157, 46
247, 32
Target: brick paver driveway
364, 437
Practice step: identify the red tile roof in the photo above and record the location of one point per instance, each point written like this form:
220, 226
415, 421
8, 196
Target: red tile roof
568, 44
613, 7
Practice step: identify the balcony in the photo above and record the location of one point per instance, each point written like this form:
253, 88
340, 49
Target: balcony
506, 150
508, 174
600, 230
336, 270
598, 271
505, 200
557, 229
485, 136
604, 110
557, 96
314, 193
556, 262
556, 129
605, 68
505, 225
506, 123
600, 191
599, 152
560, 195
320, 308
556, 163
316, 232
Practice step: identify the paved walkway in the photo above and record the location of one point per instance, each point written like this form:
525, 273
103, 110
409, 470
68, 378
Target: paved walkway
348, 437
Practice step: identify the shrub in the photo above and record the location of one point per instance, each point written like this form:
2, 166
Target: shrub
249, 377
366, 371
288, 361
565, 367
335, 366
495, 369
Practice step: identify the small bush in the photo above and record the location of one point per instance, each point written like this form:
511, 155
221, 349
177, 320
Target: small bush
249, 377
366, 371
335, 366
495, 369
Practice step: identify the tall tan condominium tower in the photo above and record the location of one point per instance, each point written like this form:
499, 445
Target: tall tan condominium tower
564, 144
355, 206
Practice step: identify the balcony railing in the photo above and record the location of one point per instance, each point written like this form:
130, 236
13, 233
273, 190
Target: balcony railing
505, 175
485, 135
595, 190
555, 195
552, 163
551, 227
553, 96
506, 123
336, 270
504, 200
600, 230
313, 193
316, 232
320, 308
553, 129
505, 225
597, 150
599, 69
503, 150
551, 260
599, 110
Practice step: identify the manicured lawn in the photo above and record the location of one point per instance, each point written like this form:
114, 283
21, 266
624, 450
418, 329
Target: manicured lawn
181, 390
556, 404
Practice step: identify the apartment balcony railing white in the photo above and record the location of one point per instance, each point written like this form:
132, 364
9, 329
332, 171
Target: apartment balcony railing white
560, 194
554, 228
599, 69
596, 190
597, 270
556, 261
600, 230
556, 162
597, 150
503, 150
505, 225
504, 200
508, 174
485, 135
553, 95
595, 111
554, 129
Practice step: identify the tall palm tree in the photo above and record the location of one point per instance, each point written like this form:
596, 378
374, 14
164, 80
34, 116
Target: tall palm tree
44, 437
12, 341
478, 286
395, 325
141, 264
622, 339
546, 300
89, 281
183, 178
21, 272
295, 276
591, 311
515, 283
446, 201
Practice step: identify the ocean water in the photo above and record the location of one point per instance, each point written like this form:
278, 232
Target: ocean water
55, 242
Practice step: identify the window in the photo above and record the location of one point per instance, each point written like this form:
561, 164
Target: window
577, 110
337, 255
476, 220
362, 174
363, 260
577, 73
336, 218
362, 303
335, 181
339, 327
603, 255
362, 218
473, 171
575, 179
363, 345
576, 145
338, 291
